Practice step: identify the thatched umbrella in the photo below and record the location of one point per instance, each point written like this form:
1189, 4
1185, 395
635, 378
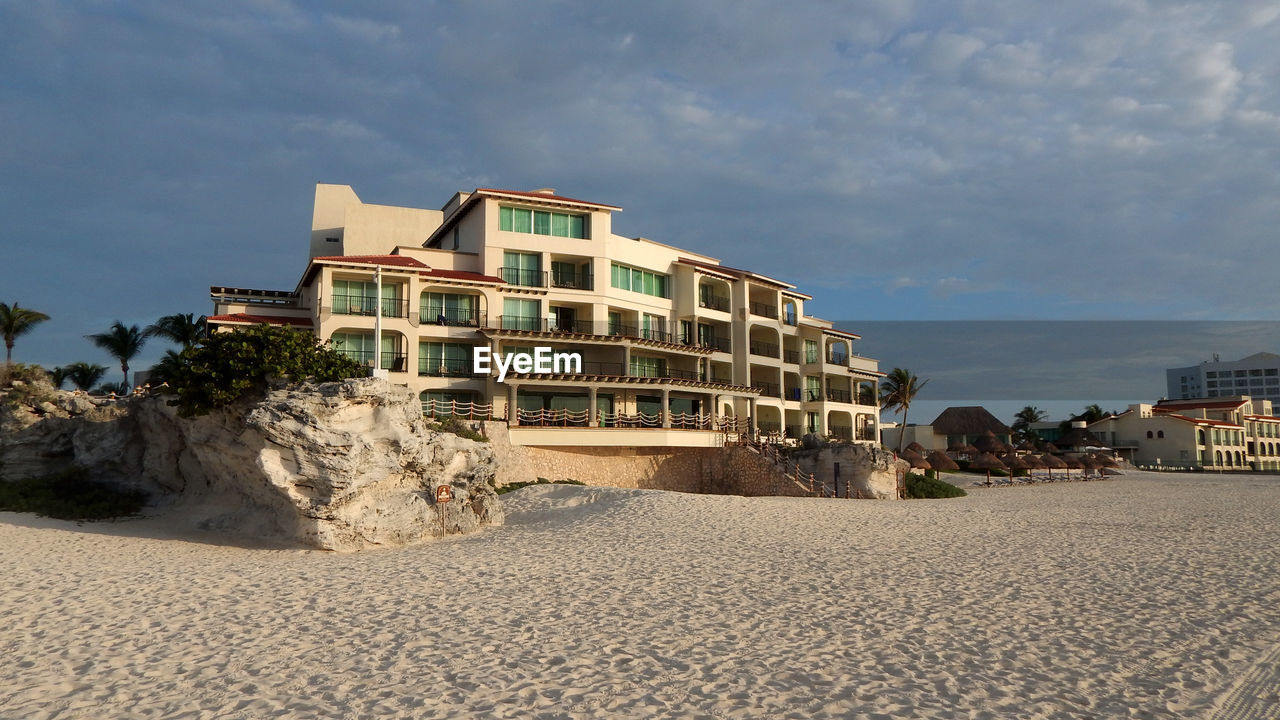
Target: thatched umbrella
940, 461
1027, 446
1013, 462
1032, 463
1088, 462
916, 461
1050, 448
987, 461
988, 443
916, 447
1107, 460
962, 448
1052, 463
1073, 463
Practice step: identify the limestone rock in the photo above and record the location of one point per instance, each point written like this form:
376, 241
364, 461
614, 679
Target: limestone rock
340, 466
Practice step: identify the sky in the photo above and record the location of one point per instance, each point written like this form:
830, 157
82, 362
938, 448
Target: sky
900, 161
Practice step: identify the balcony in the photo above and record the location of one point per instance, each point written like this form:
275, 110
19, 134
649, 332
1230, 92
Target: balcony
811, 395
844, 432
584, 327
523, 278
661, 372
572, 280
791, 356
767, 388
838, 358
793, 393
449, 318
393, 361
840, 396
764, 309
763, 349
438, 367
368, 305
714, 302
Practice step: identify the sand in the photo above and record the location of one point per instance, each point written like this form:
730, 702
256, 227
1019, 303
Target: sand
1150, 596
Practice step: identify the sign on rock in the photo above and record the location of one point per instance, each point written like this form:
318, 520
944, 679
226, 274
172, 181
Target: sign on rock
444, 493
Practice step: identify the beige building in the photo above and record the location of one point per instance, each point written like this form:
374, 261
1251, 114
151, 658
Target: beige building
673, 345
1236, 433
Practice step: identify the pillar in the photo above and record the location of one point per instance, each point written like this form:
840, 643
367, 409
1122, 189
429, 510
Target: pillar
751, 414
666, 408
511, 404
592, 419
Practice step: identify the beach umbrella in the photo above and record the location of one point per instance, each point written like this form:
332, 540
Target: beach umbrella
1050, 448
1073, 463
940, 461
1027, 446
1107, 460
1013, 462
987, 461
916, 447
988, 443
1052, 463
1033, 463
1089, 462
916, 461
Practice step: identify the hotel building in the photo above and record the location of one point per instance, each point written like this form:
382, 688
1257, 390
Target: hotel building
673, 344
1223, 433
1257, 376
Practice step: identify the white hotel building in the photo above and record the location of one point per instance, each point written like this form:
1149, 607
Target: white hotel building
673, 343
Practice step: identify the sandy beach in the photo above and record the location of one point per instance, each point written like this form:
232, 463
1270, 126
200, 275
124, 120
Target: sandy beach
1148, 596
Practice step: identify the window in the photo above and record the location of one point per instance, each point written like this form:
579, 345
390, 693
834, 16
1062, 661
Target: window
542, 222
521, 314
1150, 435
653, 327
811, 351
455, 237
359, 347
358, 297
444, 359
456, 309
641, 281
648, 366
524, 269
811, 422
1160, 433
812, 388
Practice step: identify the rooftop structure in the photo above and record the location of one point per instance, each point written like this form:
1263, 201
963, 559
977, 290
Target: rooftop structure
1257, 375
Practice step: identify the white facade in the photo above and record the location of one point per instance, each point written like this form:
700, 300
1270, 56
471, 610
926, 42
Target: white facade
1257, 376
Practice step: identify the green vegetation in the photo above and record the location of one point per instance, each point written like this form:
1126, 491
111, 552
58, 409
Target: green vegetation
224, 367
1023, 421
184, 329
84, 375
70, 495
122, 343
457, 427
540, 481
920, 487
15, 321
35, 386
897, 390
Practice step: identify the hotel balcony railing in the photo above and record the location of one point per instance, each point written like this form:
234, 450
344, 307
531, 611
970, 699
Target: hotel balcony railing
838, 358
452, 367
721, 344
767, 388
764, 310
393, 361
793, 393
368, 305
813, 396
721, 380
791, 356
523, 278
790, 319
571, 280
714, 302
769, 427
763, 349
646, 372
840, 396
795, 432
586, 327
841, 431
451, 318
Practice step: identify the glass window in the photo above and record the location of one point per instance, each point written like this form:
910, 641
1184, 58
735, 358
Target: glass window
578, 226
541, 222
522, 220
504, 219
560, 225
521, 314
811, 351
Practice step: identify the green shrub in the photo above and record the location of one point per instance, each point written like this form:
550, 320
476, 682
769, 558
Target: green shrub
70, 495
227, 365
457, 427
540, 481
920, 487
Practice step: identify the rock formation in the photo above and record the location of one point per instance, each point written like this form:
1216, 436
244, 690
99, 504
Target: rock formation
340, 466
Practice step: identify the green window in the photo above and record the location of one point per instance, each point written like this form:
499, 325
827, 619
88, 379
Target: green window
811, 351
812, 387
648, 366
641, 281
523, 269
456, 309
359, 347
356, 297
444, 359
445, 402
521, 314
542, 222
615, 323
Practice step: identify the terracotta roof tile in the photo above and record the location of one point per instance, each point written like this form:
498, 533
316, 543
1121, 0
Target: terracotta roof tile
260, 319
395, 260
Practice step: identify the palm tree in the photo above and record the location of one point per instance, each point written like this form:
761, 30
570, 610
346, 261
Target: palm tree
1025, 418
163, 371
897, 390
83, 375
122, 343
15, 321
183, 328
58, 376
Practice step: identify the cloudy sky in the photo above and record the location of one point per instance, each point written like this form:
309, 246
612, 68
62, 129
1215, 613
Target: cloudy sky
899, 160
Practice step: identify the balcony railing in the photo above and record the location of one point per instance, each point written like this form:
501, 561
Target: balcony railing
393, 361
571, 280
840, 396
438, 367
795, 432
586, 327
451, 318
841, 431
764, 310
791, 356
767, 388
813, 396
837, 358
763, 349
793, 393
523, 278
368, 305
714, 302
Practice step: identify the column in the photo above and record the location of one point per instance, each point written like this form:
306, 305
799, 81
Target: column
592, 419
751, 414
666, 408
511, 404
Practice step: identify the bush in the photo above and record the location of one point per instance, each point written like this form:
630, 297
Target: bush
227, 365
70, 495
540, 481
921, 487
457, 427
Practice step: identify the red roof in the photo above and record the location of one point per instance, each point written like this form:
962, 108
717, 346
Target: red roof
396, 260
1206, 404
462, 275
544, 196
260, 319
733, 272
1204, 421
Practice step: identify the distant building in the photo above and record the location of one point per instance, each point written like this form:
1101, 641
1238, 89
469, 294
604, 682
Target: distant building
1235, 433
953, 426
1257, 376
